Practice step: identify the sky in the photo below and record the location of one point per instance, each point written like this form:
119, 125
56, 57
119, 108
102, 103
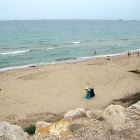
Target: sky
69, 9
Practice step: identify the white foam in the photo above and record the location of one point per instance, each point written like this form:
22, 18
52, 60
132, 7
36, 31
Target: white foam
10, 68
75, 42
19, 67
15, 52
48, 49
99, 56
131, 51
119, 44
70, 60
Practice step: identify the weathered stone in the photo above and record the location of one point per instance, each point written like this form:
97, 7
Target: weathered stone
116, 118
136, 105
58, 128
13, 132
79, 112
27, 135
77, 128
94, 114
1, 134
137, 117
39, 125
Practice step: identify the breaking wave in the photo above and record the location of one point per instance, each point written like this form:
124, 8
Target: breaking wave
15, 52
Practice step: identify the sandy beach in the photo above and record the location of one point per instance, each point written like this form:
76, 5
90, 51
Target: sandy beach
59, 88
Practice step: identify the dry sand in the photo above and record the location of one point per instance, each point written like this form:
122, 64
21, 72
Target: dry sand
61, 87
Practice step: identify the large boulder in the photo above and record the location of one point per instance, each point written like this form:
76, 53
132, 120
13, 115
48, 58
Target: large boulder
94, 114
74, 114
116, 118
58, 128
39, 125
13, 132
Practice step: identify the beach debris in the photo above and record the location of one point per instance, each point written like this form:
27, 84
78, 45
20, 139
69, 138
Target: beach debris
116, 118
13, 132
57, 128
32, 66
73, 114
41, 124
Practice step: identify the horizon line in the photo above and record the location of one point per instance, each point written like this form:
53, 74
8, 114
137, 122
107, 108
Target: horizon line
68, 19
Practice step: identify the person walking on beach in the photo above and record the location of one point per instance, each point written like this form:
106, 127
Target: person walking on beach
128, 53
138, 53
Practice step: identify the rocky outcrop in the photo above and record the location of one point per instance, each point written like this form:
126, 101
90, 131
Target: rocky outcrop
41, 124
116, 118
114, 122
12, 132
73, 114
58, 128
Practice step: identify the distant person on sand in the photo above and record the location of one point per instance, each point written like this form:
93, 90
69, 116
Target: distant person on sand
94, 52
138, 53
108, 58
128, 53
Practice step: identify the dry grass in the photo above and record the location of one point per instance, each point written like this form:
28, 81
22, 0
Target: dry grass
129, 100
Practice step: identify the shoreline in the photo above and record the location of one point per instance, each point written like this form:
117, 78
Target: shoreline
64, 61
59, 88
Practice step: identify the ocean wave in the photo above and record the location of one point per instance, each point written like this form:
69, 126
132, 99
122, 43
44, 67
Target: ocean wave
48, 49
99, 56
75, 42
119, 44
15, 52
131, 51
101, 40
125, 39
64, 59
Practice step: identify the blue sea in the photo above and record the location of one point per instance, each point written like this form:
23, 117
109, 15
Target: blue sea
38, 42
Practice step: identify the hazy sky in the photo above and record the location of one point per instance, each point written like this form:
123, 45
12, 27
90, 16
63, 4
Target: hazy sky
69, 9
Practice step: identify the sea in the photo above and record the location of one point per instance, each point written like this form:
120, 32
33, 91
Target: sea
25, 43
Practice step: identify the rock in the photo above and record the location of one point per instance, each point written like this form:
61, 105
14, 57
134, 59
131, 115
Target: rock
116, 118
136, 105
13, 132
94, 114
137, 117
77, 128
79, 112
58, 128
1, 134
27, 135
39, 125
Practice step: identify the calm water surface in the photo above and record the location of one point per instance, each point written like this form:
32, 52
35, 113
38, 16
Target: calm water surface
26, 43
